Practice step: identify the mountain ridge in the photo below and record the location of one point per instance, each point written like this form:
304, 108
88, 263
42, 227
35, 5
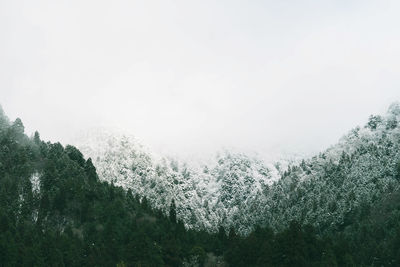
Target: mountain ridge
338, 208
239, 191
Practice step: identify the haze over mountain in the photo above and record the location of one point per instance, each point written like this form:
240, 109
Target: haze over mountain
240, 191
338, 208
188, 78
199, 133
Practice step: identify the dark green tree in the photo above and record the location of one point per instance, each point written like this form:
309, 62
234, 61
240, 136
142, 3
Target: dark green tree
172, 212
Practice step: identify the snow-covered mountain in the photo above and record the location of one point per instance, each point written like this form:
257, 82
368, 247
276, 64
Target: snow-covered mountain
239, 191
340, 185
207, 195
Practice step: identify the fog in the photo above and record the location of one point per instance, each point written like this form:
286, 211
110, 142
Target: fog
195, 76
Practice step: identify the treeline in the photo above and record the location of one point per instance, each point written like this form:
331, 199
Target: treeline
54, 211
70, 218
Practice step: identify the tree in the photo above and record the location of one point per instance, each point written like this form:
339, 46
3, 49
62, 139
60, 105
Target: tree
74, 154
397, 170
18, 127
374, 121
90, 170
36, 138
172, 211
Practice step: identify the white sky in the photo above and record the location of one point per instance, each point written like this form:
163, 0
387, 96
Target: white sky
197, 75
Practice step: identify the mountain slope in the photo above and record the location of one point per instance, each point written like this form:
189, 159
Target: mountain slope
54, 211
207, 196
327, 189
241, 192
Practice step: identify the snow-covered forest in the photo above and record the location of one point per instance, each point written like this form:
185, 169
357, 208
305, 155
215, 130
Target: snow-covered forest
116, 204
242, 192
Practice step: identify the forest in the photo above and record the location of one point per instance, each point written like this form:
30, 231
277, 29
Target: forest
55, 211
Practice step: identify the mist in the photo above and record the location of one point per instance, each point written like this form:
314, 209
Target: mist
190, 78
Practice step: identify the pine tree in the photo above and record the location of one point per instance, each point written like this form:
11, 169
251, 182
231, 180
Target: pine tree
36, 138
172, 212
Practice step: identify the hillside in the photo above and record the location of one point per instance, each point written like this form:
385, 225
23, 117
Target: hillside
328, 189
207, 196
241, 192
340, 208
54, 211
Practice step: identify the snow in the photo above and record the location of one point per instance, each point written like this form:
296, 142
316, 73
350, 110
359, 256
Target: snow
35, 181
203, 191
234, 189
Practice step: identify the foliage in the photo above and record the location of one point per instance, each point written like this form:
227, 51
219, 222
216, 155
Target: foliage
341, 208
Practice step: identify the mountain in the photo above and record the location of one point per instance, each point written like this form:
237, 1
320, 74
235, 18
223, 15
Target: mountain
207, 196
339, 208
54, 211
241, 192
327, 189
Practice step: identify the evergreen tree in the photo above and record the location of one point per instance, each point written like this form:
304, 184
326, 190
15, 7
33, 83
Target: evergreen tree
172, 212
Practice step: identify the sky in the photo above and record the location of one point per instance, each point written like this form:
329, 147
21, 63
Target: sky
195, 76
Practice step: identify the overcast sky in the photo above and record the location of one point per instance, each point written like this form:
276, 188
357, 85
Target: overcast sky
197, 75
